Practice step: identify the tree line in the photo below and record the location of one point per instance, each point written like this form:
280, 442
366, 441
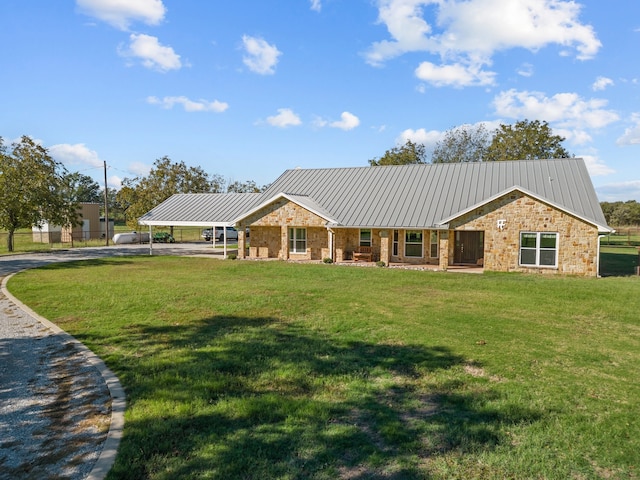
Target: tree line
621, 213
35, 188
525, 140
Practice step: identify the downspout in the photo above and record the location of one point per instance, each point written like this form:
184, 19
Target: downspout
598, 257
331, 255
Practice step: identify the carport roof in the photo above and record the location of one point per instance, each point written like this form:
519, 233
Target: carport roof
200, 209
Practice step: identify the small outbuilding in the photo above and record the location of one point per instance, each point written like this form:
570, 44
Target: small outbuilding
90, 227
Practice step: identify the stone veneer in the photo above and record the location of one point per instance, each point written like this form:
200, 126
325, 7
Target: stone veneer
577, 239
269, 232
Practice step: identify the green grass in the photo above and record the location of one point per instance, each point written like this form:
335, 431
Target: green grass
23, 239
619, 260
629, 236
275, 370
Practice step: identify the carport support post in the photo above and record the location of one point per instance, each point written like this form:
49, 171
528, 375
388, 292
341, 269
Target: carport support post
150, 240
224, 248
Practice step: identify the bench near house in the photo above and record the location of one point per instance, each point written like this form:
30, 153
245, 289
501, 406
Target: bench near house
525, 216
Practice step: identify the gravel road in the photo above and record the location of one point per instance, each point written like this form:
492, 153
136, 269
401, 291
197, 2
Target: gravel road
55, 406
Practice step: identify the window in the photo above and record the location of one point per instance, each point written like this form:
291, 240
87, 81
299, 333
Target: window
434, 244
413, 243
539, 249
395, 243
298, 240
365, 237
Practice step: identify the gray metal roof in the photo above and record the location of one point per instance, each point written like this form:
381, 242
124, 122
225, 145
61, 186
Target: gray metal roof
200, 209
405, 196
423, 196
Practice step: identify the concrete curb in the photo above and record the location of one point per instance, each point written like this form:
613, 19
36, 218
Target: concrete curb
118, 399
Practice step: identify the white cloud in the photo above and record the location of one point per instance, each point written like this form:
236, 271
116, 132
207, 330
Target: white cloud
316, 5
189, 105
631, 134
525, 70
467, 33
121, 13
569, 112
114, 181
348, 121
152, 54
596, 166
139, 169
456, 75
260, 57
285, 118
427, 138
601, 83
76, 154
622, 191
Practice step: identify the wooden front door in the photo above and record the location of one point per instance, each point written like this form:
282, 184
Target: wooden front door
469, 247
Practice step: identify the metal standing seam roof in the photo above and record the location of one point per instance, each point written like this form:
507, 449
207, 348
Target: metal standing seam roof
200, 209
399, 196
422, 196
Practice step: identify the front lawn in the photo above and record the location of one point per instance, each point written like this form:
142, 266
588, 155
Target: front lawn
261, 370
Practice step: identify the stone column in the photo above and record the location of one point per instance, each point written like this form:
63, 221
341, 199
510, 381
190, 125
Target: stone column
284, 243
444, 250
242, 249
384, 247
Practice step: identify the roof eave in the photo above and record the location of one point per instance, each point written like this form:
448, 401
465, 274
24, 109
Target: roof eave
601, 228
288, 197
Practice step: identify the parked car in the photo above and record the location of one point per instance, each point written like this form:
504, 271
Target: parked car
232, 234
163, 237
133, 237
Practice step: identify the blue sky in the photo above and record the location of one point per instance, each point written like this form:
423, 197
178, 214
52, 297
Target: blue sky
247, 89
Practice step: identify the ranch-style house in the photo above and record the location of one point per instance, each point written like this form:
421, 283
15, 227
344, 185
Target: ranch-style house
538, 216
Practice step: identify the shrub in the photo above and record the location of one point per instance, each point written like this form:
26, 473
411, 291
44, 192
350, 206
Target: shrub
232, 256
327, 260
380, 263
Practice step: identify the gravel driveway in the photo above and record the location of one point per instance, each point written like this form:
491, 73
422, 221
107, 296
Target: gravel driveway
55, 399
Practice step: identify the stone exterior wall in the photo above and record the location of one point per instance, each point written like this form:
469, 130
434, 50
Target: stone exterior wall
425, 259
269, 232
577, 240
347, 240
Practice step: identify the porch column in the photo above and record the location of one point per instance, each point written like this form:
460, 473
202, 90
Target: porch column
241, 242
384, 247
284, 243
444, 250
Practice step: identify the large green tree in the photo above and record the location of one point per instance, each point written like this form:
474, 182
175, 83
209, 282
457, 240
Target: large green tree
83, 188
140, 194
406, 154
245, 187
621, 214
526, 140
32, 189
467, 143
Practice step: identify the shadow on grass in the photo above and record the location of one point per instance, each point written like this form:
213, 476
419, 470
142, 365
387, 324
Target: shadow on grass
618, 264
258, 398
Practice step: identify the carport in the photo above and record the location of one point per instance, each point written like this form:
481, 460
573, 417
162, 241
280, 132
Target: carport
204, 210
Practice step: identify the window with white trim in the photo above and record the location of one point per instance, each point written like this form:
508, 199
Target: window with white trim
365, 237
298, 240
538, 249
433, 240
413, 243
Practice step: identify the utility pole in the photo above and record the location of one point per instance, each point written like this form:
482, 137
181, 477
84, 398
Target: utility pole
106, 205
